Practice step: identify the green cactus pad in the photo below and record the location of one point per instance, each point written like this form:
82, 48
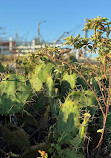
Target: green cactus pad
50, 85
14, 92
41, 75
36, 83
71, 79
68, 122
68, 83
84, 99
45, 71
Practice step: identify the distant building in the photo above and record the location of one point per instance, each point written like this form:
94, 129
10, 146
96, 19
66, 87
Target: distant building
4, 46
3, 43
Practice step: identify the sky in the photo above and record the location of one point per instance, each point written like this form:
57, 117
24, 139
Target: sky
22, 16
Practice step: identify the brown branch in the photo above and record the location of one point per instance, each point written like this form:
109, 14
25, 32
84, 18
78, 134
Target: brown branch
107, 108
100, 84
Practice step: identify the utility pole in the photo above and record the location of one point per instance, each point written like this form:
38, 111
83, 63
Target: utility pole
86, 31
85, 36
39, 30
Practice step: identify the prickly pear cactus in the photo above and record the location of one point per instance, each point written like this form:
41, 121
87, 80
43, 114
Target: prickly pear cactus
36, 82
41, 75
68, 121
71, 128
84, 99
45, 71
68, 83
41, 78
14, 92
70, 78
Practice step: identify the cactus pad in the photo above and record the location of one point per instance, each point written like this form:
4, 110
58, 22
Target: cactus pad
14, 91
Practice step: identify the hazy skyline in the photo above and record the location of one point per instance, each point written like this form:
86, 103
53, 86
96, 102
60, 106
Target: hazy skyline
22, 17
